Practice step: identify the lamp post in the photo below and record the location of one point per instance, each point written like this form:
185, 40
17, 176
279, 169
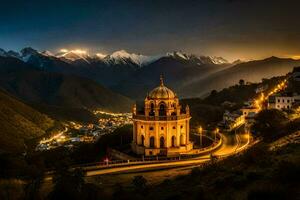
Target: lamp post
200, 134
216, 131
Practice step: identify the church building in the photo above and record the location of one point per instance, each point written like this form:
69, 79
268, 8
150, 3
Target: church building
162, 127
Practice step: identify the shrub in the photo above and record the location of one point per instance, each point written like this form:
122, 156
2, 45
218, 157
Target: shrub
140, 183
11, 189
269, 124
263, 193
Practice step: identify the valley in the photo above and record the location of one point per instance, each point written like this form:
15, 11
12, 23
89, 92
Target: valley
75, 110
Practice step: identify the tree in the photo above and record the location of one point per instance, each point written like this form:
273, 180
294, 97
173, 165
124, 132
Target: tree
34, 183
11, 189
118, 191
68, 184
269, 123
140, 183
241, 82
213, 92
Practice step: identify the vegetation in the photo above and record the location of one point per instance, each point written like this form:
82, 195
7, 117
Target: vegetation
256, 174
209, 111
34, 163
60, 113
21, 176
204, 115
140, 184
20, 124
273, 124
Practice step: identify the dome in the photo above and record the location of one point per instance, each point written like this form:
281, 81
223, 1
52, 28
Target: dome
161, 92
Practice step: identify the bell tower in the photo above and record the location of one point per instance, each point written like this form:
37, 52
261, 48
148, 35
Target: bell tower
163, 129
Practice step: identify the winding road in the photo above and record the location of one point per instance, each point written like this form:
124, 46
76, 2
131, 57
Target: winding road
231, 144
157, 171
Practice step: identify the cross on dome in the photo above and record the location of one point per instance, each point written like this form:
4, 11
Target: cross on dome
161, 80
161, 92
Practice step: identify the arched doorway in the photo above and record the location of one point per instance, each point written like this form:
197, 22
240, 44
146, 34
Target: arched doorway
162, 142
151, 142
143, 140
182, 139
173, 141
162, 109
151, 113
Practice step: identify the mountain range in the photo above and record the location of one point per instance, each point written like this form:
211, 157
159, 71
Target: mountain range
133, 75
39, 88
35, 85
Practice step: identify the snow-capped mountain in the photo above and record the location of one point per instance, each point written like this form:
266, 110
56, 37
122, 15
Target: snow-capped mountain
27, 52
13, 54
123, 57
218, 60
3, 53
199, 59
48, 53
100, 55
120, 57
10, 53
73, 55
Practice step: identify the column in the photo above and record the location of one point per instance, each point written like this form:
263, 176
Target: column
156, 135
187, 131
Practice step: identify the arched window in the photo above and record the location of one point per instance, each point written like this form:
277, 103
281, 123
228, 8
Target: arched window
143, 140
151, 113
162, 142
173, 141
151, 142
181, 139
162, 109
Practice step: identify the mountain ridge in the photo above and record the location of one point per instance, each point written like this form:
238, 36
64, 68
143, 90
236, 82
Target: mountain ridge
35, 85
116, 57
189, 75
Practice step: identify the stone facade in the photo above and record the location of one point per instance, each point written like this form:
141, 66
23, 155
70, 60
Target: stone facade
162, 128
282, 101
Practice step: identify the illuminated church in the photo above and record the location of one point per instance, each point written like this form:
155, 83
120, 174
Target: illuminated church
162, 128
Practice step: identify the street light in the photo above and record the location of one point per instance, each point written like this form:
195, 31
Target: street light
200, 134
216, 131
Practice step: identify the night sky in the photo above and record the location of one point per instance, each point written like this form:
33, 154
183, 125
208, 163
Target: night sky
229, 28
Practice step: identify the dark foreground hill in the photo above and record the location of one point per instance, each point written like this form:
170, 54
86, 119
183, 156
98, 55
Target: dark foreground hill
20, 123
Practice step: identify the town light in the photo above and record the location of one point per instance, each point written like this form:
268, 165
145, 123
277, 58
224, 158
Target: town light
200, 129
106, 160
216, 132
200, 133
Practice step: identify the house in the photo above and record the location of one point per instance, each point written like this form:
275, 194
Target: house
283, 101
233, 120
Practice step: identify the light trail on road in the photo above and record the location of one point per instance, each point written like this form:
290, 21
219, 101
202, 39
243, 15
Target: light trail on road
230, 146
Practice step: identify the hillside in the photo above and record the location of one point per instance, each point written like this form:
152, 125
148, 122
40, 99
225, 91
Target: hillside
41, 87
20, 123
252, 71
268, 169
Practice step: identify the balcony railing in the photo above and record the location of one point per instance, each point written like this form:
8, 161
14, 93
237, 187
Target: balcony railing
161, 118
